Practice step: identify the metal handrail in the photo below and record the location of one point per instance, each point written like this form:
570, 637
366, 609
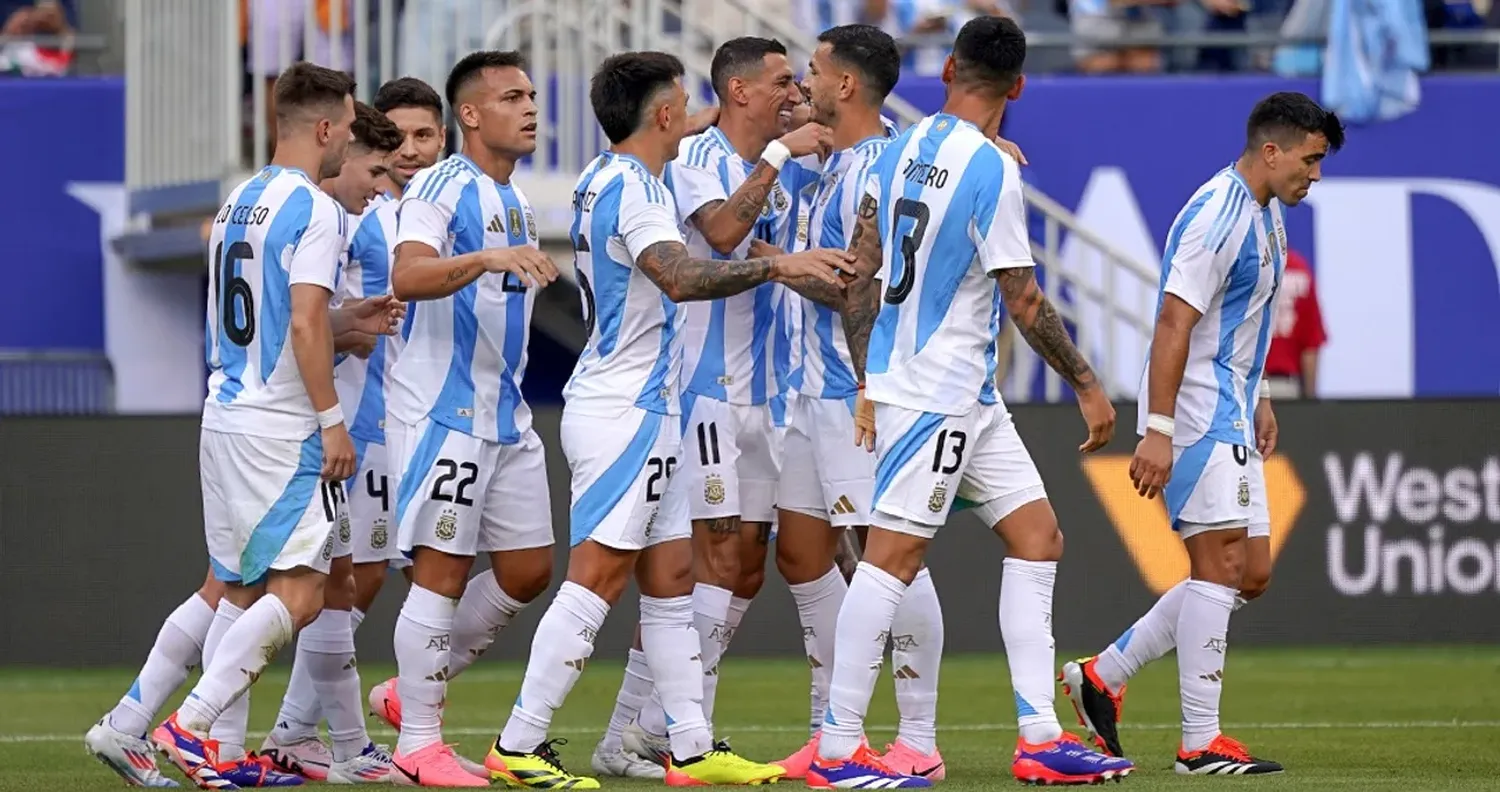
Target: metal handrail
1232, 40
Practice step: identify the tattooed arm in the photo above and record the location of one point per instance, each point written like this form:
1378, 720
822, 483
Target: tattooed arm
683, 278
815, 289
862, 295
1039, 323
726, 223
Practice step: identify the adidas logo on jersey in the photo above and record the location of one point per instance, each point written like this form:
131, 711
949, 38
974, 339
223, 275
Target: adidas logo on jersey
495, 226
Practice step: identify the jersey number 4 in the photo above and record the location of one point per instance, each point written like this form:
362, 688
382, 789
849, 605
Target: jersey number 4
236, 300
911, 240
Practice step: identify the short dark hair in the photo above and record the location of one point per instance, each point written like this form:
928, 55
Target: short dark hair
408, 92
738, 57
472, 64
868, 50
305, 86
625, 84
989, 53
1287, 117
374, 131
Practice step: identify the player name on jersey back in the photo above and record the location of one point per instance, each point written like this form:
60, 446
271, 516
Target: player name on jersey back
465, 354
633, 354
951, 215
1225, 256
274, 231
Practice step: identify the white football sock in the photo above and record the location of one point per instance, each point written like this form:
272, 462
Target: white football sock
178, 647
653, 719
818, 604
859, 647
711, 618
1026, 628
737, 609
423, 630
916, 655
483, 612
300, 706
356, 618
1151, 637
1202, 642
673, 649
245, 651
230, 728
326, 647
635, 690
563, 643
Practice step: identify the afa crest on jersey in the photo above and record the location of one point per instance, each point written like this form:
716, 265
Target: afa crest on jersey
531, 224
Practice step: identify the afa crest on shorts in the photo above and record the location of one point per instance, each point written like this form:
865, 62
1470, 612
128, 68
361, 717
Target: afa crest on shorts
378, 534
713, 490
1243, 495
447, 525
938, 498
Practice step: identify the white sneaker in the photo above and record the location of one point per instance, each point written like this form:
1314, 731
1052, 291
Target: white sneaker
372, 766
654, 749
308, 758
130, 756
619, 763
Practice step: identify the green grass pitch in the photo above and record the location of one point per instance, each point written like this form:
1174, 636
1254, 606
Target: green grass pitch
1358, 719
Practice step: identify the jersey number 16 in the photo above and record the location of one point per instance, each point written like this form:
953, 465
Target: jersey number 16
236, 300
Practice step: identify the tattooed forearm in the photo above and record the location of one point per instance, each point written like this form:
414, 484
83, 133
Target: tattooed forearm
1042, 327
748, 200
862, 296
817, 290
455, 275
683, 278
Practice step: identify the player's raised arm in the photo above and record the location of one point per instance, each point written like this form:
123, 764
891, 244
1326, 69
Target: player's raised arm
725, 221
421, 273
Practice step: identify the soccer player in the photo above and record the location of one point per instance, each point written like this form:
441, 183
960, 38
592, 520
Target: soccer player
472, 472
732, 181
825, 488
325, 677
415, 110
1206, 426
621, 433
942, 228
274, 445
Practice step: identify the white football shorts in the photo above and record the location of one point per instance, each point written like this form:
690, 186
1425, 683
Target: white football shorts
366, 532
823, 473
622, 467
463, 496
729, 459
923, 460
265, 505
1217, 486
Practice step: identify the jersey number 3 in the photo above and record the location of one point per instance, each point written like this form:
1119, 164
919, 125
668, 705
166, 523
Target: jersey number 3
236, 300
911, 241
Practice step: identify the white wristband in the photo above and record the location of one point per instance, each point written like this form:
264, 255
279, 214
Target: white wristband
331, 417
1265, 388
1161, 424
776, 154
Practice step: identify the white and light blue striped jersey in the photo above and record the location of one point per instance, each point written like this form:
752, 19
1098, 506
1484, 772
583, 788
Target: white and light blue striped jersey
465, 354
787, 351
361, 383
951, 214
827, 372
1224, 257
275, 230
727, 344
633, 355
